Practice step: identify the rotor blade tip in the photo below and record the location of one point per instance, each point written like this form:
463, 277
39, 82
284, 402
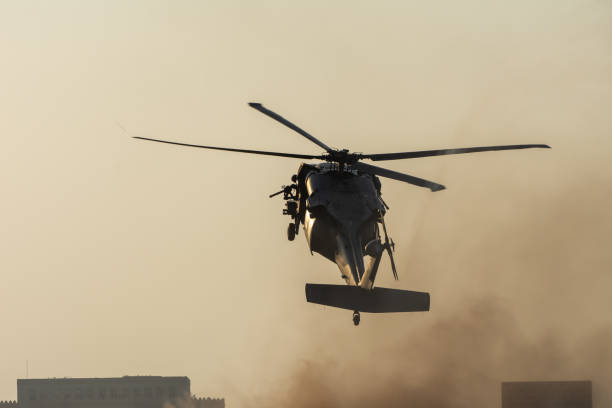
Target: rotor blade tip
438, 188
254, 104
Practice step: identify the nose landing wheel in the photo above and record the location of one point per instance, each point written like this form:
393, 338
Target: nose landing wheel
356, 318
291, 232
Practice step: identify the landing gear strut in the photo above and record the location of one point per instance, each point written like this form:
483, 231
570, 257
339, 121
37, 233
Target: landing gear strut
356, 318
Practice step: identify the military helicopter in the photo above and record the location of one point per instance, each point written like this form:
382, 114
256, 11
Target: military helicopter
340, 206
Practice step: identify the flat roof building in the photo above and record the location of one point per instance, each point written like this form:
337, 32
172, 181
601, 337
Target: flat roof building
547, 394
121, 392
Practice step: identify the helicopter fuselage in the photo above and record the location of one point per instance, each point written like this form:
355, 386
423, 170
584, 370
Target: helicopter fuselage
339, 204
340, 210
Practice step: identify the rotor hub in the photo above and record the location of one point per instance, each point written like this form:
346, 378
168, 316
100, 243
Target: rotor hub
341, 156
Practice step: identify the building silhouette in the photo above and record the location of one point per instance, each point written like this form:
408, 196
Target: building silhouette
121, 392
547, 394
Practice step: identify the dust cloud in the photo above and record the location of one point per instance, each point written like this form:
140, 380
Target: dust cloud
520, 287
459, 361
516, 255
544, 321
518, 267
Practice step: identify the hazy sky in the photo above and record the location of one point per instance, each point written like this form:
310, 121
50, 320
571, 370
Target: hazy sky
125, 257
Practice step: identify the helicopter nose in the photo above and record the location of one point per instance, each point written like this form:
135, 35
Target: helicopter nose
349, 257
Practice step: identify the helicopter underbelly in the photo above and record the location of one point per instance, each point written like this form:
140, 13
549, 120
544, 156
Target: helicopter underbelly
340, 220
341, 246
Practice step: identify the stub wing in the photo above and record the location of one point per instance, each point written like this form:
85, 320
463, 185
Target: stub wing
377, 300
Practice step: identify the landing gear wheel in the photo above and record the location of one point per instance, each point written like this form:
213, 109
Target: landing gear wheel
356, 318
291, 232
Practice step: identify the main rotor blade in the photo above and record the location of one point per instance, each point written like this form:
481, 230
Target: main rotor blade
379, 171
227, 149
442, 152
290, 125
